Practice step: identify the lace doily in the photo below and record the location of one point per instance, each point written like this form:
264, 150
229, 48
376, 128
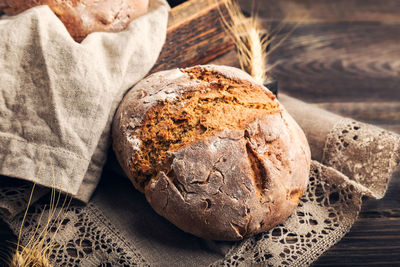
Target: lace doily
358, 160
367, 154
325, 214
84, 237
14, 196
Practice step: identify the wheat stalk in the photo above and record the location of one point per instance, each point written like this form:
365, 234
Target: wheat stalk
251, 41
37, 250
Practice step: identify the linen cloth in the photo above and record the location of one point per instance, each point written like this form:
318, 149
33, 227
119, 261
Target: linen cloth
58, 97
118, 227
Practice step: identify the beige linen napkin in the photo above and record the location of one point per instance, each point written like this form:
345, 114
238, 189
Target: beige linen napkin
58, 97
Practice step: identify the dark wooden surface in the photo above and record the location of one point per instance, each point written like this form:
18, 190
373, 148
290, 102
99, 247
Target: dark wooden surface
195, 35
344, 56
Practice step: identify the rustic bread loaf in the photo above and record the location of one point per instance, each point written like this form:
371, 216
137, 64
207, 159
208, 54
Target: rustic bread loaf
82, 17
214, 152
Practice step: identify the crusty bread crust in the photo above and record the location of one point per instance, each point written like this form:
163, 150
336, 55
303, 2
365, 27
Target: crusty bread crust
232, 184
82, 17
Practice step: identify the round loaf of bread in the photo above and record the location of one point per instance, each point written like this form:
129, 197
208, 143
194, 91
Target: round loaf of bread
82, 17
213, 151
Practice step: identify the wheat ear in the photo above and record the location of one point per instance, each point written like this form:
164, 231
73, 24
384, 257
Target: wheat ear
36, 252
252, 41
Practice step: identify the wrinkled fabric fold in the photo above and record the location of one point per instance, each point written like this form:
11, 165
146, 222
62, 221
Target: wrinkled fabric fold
366, 154
58, 97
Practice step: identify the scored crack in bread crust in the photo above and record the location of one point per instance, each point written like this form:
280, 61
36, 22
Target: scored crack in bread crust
218, 104
82, 17
214, 152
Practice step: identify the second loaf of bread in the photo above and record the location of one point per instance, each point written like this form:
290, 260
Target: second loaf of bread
82, 17
213, 151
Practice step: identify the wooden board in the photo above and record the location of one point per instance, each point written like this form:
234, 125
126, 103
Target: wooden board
325, 10
195, 35
349, 61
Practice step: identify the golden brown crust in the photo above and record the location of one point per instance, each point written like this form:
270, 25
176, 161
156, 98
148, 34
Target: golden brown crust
82, 17
219, 103
242, 177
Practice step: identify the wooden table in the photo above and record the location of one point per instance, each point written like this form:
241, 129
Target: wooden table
344, 56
